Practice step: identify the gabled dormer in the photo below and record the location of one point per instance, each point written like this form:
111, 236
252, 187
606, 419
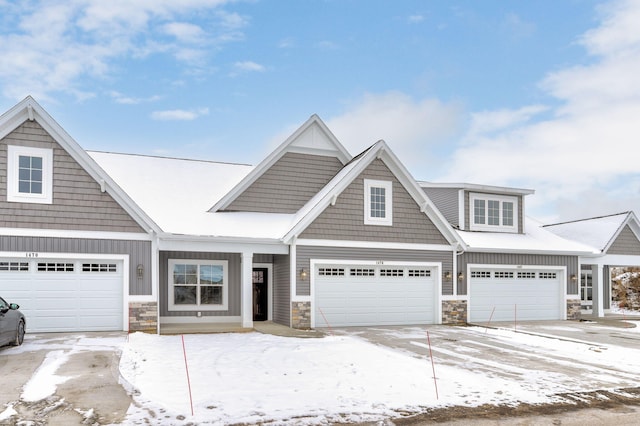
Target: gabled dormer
482, 208
291, 175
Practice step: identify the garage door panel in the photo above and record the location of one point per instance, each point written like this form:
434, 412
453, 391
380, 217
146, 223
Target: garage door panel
502, 299
67, 301
373, 300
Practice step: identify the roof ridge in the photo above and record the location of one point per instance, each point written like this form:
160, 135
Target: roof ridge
587, 218
169, 158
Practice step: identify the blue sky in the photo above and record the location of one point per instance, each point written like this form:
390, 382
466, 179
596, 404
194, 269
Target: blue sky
539, 94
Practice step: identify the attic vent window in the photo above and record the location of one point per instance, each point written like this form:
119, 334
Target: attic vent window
378, 202
29, 175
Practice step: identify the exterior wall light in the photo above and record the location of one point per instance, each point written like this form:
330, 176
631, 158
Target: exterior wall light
140, 271
447, 275
573, 277
303, 274
460, 276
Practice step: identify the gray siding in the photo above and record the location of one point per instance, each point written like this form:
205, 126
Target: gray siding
288, 184
139, 253
306, 253
446, 200
626, 243
78, 203
281, 290
469, 207
509, 259
234, 276
345, 220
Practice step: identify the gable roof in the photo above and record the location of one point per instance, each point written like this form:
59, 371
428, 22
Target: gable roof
597, 232
29, 109
328, 195
313, 137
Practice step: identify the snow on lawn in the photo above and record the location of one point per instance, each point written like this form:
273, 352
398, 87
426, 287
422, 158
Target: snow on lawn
258, 378
253, 377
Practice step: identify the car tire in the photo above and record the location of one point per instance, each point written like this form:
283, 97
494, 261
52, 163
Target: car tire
19, 334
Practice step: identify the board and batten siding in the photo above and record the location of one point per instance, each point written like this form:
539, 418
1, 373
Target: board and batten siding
514, 259
468, 211
345, 220
234, 286
78, 203
446, 200
139, 253
281, 290
288, 184
304, 254
626, 243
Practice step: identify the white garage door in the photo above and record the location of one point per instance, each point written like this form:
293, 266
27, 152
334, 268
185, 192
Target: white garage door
65, 295
515, 294
352, 295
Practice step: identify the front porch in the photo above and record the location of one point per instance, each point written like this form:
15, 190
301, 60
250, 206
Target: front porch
265, 327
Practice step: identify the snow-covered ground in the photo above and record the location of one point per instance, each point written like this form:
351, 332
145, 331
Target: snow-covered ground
258, 378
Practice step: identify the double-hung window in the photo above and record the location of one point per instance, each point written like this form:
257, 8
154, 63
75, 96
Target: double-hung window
198, 285
29, 175
378, 206
493, 213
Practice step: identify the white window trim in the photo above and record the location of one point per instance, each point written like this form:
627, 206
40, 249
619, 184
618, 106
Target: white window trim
225, 287
13, 154
388, 207
492, 228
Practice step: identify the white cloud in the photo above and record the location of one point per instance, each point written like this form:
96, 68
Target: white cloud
583, 160
415, 19
249, 66
179, 114
64, 47
121, 98
413, 128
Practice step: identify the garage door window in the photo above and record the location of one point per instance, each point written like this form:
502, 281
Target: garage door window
331, 272
14, 266
503, 274
527, 275
392, 272
419, 272
548, 275
55, 267
362, 272
99, 267
198, 285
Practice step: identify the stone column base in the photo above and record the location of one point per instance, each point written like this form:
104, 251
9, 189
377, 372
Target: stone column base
143, 316
301, 315
573, 309
454, 311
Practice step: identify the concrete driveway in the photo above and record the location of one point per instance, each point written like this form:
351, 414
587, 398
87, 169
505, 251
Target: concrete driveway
63, 379
565, 358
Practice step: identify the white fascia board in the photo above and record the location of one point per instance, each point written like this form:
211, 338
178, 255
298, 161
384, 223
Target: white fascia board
270, 160
416, 192
369, 244
612, 260
478, 187
497, 250
93, 169
29, 109
63, 233
319, 207
223, 245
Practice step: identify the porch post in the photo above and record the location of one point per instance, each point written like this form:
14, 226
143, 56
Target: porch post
598, 302
247, 290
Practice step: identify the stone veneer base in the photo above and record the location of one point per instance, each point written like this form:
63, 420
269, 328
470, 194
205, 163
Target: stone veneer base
143, 316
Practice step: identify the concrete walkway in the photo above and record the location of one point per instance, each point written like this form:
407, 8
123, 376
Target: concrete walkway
266, 327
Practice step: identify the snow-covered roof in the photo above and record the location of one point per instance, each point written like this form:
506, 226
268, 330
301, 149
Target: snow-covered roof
596, 232
477, 187
177, 194
535, 239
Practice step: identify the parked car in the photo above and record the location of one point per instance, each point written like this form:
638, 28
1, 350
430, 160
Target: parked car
12, 324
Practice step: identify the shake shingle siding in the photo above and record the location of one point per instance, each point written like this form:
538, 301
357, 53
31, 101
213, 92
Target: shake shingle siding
78, 203
306, 253
626, 243
288, 184
139, 253
345, 220
446, 200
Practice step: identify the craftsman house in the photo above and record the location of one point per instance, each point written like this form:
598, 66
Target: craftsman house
310, 237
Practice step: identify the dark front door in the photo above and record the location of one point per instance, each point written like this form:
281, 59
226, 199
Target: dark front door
260, 294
